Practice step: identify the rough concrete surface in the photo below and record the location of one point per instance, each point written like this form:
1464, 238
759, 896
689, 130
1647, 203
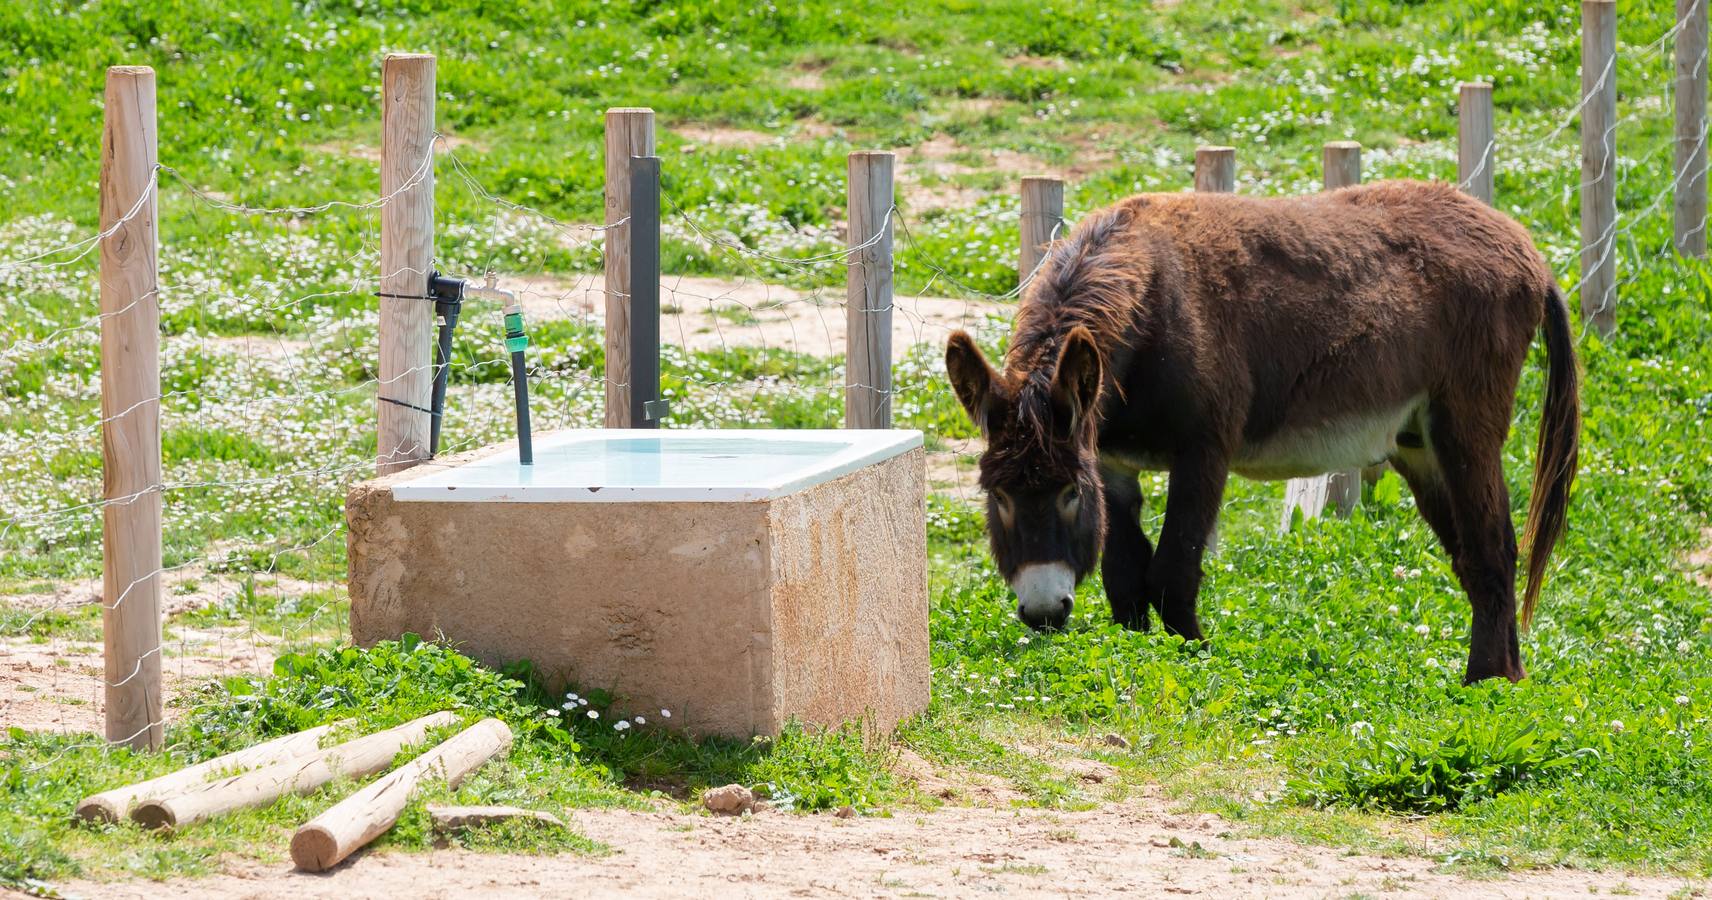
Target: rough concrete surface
737, 617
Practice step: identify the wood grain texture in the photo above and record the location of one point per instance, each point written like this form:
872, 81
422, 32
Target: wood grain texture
406, 254
324, 841
1690, 99
1599, 165
111, 806
1476, 154
1042, 214
629, 132
868, 293
130, 412
1215, 170
356, 758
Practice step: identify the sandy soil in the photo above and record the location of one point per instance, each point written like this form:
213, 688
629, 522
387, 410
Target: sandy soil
710, 313
1132, 849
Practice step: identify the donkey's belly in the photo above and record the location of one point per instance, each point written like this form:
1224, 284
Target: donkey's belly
1299, 450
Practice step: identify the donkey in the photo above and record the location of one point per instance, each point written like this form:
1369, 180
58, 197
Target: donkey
1204, 334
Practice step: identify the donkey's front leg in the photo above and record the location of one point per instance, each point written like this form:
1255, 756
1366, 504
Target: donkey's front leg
1124, 560
1191, 509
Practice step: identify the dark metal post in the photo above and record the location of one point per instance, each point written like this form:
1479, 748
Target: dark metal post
646, 407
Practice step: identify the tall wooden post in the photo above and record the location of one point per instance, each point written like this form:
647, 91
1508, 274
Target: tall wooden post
1476, 154
1042, 214
868, 293
130, 412
1690, 168
1342, 161
406, 254
1599, 164
1215, 169
629, 133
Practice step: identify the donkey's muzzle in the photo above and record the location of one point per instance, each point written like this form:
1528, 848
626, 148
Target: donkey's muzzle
1045, 593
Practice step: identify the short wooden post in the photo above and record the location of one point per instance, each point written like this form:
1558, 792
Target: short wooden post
130, 412
1042, 215
629, 133
1342, 162
868, 293
1215, 170
1690, 168
406, 255
1476, 154
1599, 165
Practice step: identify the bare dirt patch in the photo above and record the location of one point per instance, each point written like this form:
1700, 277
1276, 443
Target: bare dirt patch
183, 589
1136, 848
1700, 561
712, 313
446, 143
57, 686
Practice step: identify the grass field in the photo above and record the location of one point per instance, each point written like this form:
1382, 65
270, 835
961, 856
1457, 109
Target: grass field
1327, 705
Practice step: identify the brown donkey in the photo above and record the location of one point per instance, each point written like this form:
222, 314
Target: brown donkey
1209, 333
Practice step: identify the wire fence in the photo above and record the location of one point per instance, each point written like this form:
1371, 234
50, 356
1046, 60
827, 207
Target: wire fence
268, 384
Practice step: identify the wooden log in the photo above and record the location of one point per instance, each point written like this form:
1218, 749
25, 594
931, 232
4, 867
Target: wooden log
1042, 214
130, 413
1215, 170
868, 293
453, 818
1342, 161
1690, 97
406, 255
1476, 155
357, 758
629, 132
1599, 165
111, 806
325, 841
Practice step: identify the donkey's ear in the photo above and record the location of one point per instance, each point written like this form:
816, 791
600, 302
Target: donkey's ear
1076, 381
971, 375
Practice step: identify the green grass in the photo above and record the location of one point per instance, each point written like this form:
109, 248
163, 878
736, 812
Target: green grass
1326, 706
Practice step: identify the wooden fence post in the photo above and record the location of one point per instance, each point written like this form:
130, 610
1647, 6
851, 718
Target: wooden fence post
1476, 153
1215, 170
1342, 161
868, 293
1599, 165
629, 132
1690, 97
1042, 214
130, 412
406, 253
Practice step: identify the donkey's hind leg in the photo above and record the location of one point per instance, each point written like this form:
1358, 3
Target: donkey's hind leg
1467, 443
1127, 553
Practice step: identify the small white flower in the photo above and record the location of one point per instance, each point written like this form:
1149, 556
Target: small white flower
1617, 725
1392, 609
641, 721
620, 725
1022, 641
1569, 720
553, 712
1681, 700
1422, 629
569, 705
594, 714
1358, 728
665, 714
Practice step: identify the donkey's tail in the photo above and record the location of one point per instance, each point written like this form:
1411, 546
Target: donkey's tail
1560, 442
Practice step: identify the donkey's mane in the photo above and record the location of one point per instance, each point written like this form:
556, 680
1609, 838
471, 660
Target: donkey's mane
1094, 280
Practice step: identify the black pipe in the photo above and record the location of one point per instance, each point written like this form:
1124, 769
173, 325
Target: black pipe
515, 341
448, 294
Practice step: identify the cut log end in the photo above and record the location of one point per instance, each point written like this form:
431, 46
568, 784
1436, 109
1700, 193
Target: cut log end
99, 811
315, 849
154, 815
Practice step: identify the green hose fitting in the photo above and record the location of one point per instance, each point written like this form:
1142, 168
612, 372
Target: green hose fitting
515, 338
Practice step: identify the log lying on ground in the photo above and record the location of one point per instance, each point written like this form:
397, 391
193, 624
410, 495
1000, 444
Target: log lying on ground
453, 818
353, 759
111, 806
324, 841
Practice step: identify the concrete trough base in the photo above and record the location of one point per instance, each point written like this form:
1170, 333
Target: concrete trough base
738, 616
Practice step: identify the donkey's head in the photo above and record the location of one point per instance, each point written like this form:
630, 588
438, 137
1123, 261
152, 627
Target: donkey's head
1045, 517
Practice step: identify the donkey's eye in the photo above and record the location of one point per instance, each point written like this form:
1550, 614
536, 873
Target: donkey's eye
1007, 510
1070, 500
